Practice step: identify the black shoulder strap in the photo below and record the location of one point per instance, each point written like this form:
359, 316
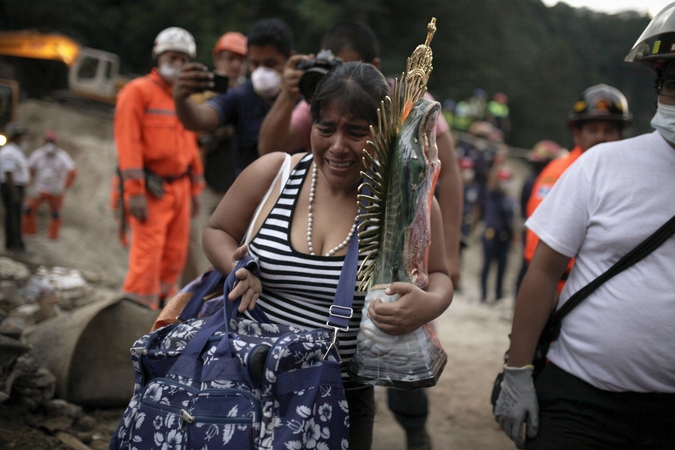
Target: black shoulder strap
642, 250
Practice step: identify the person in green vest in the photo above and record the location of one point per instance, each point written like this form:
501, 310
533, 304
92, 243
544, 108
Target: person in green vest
498, 112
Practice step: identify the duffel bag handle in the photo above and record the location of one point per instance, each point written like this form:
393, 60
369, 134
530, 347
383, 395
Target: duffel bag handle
206, 285
188, 364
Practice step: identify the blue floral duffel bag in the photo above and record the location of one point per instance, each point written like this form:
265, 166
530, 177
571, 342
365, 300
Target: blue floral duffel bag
227, 381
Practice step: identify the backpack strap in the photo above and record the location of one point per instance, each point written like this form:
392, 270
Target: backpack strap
638, 253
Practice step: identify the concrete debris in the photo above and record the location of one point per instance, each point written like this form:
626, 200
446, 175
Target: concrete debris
61, 423
12, 327
10, 350
58, 407
86, 423
71, 441
10, 293
26, 313
13, 270
29, 297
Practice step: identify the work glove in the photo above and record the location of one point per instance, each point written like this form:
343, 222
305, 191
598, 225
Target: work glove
517, 403
138, 207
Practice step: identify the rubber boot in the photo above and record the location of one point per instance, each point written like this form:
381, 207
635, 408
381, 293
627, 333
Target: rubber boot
54, 226
29, 225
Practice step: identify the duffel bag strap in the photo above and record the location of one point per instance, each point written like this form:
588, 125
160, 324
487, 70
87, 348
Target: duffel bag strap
208, 284
341, 310
188, 363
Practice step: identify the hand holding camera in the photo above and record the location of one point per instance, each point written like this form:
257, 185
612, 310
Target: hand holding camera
314, 71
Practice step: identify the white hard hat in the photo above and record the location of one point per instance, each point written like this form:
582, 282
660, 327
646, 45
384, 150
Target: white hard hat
176, 39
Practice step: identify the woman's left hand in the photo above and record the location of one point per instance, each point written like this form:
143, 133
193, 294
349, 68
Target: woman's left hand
248, 286
413, 309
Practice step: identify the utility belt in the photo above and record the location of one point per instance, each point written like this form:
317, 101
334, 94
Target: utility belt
155, 183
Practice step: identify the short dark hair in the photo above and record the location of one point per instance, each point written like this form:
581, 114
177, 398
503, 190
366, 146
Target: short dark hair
356, 88
354, 36
272, 32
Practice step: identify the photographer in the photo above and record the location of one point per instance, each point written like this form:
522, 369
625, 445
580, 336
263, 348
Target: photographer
270, 44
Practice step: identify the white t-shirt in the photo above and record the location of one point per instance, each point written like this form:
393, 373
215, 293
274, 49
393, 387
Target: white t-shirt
622, 337
50, 169
14, 161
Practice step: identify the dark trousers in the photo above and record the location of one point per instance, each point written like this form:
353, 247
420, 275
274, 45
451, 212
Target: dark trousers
494, 249
361, 417
575, 415
409, 407
13, 213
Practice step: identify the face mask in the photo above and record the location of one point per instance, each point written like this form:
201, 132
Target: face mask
664, 121
468, 175
170, 73
266, 81
50, 148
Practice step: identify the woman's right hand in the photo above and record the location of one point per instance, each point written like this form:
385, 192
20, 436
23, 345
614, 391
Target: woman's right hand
248, 286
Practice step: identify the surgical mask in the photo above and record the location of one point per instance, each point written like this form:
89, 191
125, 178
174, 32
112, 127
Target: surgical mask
266, 81
169, 72
664, 121
50, 148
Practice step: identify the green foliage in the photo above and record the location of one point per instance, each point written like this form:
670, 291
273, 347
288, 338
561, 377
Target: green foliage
542, 58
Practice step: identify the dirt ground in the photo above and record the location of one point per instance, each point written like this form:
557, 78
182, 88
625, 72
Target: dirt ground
474, 335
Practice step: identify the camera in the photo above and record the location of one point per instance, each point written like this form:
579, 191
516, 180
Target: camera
315, 69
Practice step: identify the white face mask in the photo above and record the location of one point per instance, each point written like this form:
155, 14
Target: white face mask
169, 73
266, 81
50, 148
664, 121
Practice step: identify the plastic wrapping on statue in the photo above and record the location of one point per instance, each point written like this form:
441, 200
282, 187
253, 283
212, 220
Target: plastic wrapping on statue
416, 359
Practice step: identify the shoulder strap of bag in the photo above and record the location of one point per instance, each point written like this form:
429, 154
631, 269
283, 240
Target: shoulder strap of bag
638, 253
284, 172
341, 310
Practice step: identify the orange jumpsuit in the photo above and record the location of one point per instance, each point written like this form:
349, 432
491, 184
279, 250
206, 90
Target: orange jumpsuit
148, 135
543, 184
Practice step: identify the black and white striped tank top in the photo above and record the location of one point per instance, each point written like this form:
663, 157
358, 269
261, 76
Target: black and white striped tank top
298, 288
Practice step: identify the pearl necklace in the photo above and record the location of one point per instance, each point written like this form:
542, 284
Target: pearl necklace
344, 243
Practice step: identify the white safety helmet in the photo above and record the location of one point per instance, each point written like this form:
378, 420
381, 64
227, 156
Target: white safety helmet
176, 39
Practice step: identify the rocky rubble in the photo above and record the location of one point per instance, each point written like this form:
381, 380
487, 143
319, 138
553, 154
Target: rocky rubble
28, 297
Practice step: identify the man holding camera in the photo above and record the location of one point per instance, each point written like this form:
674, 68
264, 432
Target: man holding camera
270, 44
160, 172
218, 147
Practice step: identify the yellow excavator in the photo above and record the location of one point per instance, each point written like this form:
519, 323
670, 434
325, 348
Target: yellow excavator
51, 64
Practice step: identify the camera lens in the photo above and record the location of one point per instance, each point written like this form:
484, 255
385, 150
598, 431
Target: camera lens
310, 80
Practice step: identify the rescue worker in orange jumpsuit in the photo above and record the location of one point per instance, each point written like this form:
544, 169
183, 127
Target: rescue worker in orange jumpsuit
600, 115
52, 172
161, 172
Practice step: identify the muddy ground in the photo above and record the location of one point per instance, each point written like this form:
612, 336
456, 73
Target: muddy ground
473, 335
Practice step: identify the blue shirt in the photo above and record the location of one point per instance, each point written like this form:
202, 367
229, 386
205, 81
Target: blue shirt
498, 212
243, 108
